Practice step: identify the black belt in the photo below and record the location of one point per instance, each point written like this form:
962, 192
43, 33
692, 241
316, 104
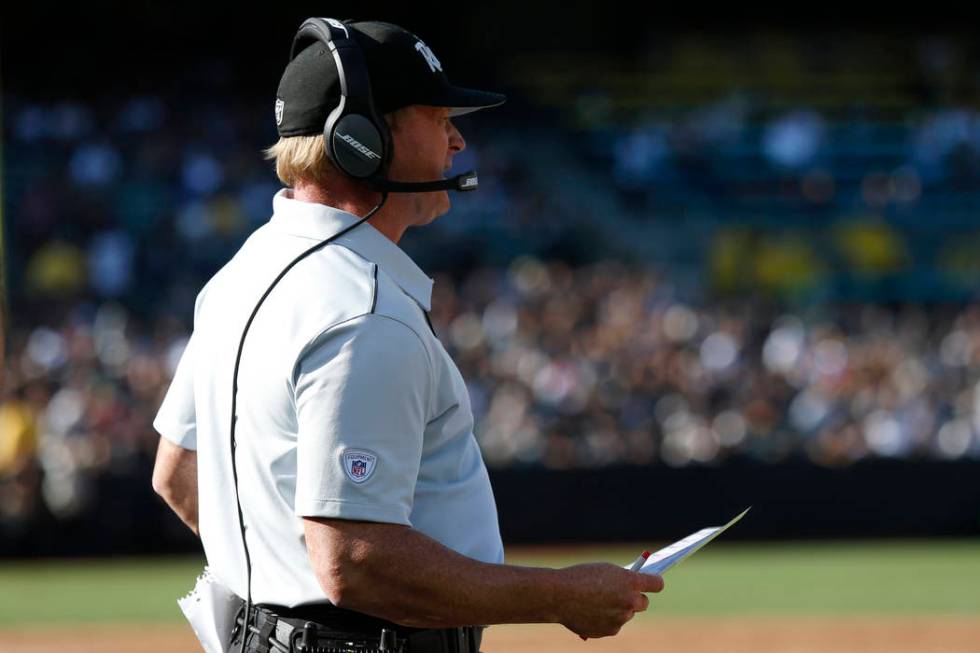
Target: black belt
329, 629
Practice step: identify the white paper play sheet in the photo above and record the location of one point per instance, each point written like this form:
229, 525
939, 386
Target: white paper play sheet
211, 608
669, 556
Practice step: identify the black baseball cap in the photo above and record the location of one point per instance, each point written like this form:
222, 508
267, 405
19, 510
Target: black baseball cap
402, 68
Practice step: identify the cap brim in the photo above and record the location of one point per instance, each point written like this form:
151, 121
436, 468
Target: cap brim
467, 100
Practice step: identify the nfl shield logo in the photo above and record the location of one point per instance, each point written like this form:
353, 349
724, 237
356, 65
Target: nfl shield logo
359, 464
358, 468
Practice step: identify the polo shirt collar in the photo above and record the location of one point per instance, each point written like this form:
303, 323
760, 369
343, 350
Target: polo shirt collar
319, 221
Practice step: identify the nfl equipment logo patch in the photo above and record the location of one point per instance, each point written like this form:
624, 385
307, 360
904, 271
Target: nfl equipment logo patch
359, 464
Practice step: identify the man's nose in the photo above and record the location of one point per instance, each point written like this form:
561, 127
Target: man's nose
456, 142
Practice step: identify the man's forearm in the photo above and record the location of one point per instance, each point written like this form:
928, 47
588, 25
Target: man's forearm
185, 506
414, 580
175, 480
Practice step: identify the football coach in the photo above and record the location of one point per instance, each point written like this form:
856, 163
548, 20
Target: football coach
317, 434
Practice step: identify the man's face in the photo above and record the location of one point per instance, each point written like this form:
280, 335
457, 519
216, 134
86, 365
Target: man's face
425, 141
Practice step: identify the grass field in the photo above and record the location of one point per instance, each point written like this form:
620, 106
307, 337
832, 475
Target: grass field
930, 588
723, 579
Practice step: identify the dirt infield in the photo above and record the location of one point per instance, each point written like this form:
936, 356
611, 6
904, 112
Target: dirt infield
945, 634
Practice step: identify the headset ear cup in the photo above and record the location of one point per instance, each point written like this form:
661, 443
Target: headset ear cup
358, 145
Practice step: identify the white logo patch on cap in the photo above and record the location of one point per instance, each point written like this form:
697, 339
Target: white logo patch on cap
359, 464
339, 25
279, 107
430, 58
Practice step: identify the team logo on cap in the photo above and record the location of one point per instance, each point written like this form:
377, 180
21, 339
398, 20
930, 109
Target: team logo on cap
359, 464
430, 58
339, 25
279, 107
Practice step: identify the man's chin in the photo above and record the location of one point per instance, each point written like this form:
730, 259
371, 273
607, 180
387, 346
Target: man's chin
443, 207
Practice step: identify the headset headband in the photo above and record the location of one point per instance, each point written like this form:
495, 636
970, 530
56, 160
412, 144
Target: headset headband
356, 137
347, 54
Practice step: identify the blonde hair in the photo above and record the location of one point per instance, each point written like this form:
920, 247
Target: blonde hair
301, 158
304, 158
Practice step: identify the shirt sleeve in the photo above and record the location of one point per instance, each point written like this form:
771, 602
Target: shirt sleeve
362, 392
176, 420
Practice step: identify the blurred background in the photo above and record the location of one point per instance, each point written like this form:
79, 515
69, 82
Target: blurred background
714, 261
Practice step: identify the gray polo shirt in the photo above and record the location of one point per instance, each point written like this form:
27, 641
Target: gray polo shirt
348, 404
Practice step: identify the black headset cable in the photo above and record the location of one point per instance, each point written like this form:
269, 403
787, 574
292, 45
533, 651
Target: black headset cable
234, 397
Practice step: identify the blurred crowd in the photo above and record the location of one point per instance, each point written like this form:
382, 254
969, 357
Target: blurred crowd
663, 291
598, 365
99, 199
566, 368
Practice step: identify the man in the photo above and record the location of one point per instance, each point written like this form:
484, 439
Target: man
364, 497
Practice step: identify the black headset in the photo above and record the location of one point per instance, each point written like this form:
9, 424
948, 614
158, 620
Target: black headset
356, 138
359, 143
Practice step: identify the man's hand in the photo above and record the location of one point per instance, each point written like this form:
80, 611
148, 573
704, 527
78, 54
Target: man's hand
604, 597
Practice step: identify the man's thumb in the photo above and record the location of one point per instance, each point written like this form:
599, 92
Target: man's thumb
649, 582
